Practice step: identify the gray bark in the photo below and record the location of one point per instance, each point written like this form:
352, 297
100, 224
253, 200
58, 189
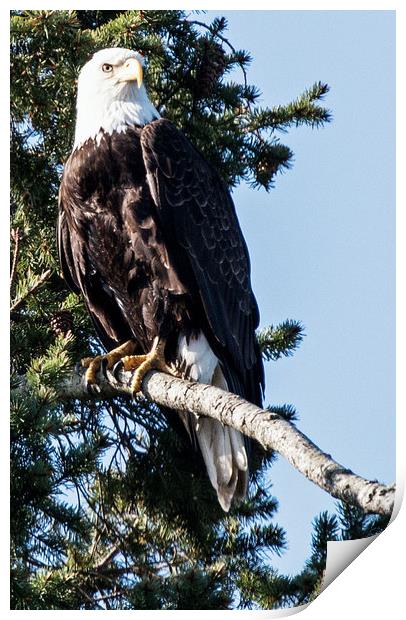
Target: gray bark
271, 430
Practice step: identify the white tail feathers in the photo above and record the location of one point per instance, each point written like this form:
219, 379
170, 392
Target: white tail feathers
222, 447
225, 458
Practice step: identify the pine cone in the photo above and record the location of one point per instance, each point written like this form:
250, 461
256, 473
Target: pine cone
211, 66
265, 172
62, 323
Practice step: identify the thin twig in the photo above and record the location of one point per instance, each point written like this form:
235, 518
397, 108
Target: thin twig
40, 280
107, 558
16, 237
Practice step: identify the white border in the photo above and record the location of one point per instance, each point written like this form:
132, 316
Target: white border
372, 585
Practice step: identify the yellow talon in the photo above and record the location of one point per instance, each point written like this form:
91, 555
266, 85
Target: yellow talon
142, 364
93, 364
122, 358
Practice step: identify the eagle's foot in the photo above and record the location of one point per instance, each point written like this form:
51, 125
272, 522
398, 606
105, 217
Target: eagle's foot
93, 364
154, 360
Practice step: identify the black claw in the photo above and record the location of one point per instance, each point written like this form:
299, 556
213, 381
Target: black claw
103, 367
92, 388
117, 369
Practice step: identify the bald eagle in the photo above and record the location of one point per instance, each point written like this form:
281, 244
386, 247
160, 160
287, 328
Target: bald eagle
148, 235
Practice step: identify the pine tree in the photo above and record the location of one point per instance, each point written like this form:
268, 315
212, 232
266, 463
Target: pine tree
110, 506
269, 589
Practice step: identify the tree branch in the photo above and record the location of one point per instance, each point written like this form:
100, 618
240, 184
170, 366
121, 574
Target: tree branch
270, 430
36, 284
16, 237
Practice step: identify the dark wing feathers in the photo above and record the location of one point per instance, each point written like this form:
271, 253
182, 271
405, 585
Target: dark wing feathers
198, 214
65, 253
76, 245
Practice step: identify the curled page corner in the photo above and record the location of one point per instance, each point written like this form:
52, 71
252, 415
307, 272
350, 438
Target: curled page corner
399, 495
340, 554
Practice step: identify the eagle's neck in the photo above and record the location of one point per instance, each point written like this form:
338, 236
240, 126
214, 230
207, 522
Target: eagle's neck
110, 115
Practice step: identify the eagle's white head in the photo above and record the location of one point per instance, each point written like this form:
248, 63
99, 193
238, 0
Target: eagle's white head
111, 95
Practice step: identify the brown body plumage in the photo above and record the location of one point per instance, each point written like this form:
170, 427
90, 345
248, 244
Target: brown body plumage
159, 255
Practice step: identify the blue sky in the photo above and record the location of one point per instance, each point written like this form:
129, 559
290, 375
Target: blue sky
322, 244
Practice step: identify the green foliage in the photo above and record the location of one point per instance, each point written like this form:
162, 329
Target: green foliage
285, 411
111, 509
302, 111
224, 120
283, 339
269, 589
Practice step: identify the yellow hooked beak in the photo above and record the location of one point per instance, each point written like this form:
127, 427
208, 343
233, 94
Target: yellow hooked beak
130, 71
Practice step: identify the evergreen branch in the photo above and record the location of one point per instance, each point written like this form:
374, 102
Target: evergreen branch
242, 58
107, 558
288, 412
31, 289
280, 340
16, 236
302, 111
271, 430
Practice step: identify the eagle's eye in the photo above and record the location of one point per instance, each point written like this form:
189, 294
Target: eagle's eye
107, 68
